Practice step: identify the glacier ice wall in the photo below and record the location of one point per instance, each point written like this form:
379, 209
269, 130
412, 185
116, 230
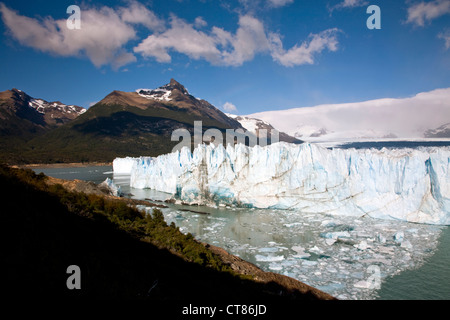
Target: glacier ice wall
124, 165
405, 184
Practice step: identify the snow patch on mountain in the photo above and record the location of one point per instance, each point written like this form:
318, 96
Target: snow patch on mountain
261, 128
163, 93
251, 124
441, 132
160, 94
43, 107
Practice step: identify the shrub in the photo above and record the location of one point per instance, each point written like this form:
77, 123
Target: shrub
148, 227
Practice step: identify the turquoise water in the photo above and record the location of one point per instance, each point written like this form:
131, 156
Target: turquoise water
429, 282
296, 245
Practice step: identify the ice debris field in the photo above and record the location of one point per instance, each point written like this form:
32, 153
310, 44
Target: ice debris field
346, 257
306, 211
403, 184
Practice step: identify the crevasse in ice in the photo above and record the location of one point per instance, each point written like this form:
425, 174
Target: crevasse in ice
406, 184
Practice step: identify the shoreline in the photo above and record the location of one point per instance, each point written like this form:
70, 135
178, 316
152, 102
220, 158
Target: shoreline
62, 165
238, 265
244, 267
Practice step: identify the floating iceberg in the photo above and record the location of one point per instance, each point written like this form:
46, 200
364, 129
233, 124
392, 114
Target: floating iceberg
405, 184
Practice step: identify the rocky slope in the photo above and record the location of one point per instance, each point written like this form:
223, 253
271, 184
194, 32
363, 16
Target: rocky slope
129, 123
41, 113
440, 132
23, 118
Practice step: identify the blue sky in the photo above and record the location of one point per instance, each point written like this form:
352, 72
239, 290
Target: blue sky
257, 55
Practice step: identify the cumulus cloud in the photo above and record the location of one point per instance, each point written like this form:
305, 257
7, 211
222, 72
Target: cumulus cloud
446, 37
349, 4
304, 54
101, 39
221, 47
422, 12
229, 107
181, 37
136, 13
249, 39
200, 22
106, 32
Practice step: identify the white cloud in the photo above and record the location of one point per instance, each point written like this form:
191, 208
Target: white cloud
101, 39
181, 37
138, 14
229, 107
122, 58
249, 39
105, 33
446, 37
220, 47
251, 5
421, 12
349, 4
200, 22
405, 117
353, 3
279, 3
304, 54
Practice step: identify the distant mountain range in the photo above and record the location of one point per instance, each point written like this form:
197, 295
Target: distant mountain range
440, 132
23, 118
34, 114
140, 123
122, 124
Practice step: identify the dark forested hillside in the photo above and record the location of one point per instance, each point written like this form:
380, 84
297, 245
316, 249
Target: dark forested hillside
121, 252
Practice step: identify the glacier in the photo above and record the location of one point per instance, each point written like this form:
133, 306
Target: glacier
404, 184
124, 165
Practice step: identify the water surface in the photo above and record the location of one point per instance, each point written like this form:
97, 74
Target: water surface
302, 245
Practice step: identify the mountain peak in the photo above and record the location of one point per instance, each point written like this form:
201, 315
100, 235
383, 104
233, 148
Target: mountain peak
15, 94
174, 84
165, 92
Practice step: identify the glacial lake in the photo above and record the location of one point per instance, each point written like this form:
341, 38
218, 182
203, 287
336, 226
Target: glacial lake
373, 258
